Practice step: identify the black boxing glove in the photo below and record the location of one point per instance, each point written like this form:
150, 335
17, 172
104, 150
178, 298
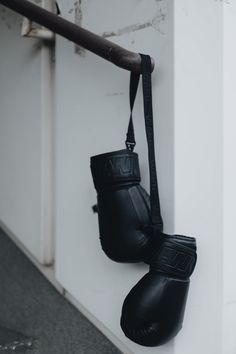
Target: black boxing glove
153, 311
125, 210
123, 206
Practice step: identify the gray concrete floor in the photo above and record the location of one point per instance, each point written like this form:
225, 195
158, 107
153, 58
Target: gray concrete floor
29, 304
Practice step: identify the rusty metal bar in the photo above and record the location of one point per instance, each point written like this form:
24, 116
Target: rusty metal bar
98, 45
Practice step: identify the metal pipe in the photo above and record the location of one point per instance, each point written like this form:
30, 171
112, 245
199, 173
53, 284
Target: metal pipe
98, 45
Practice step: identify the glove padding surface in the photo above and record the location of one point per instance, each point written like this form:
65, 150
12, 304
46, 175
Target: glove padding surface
123, 206
153, 311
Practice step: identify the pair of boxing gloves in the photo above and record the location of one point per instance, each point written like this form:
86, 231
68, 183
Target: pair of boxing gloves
153, 310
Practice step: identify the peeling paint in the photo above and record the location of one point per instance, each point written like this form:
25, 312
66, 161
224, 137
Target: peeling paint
128, 29
78, 20
154, 22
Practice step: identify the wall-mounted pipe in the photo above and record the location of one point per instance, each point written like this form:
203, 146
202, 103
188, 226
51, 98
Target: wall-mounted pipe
98, 45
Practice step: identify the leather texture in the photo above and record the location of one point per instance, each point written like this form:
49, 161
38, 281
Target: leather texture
153, 311
123, 206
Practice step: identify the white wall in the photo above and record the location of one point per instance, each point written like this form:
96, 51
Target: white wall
229, 177
25, 138
198, 166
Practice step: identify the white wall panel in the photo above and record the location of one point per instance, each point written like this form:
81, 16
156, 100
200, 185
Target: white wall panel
198, 166
229, 177
25, 138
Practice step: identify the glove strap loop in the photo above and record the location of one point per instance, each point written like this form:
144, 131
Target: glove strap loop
133, 87
130, 141
148, 115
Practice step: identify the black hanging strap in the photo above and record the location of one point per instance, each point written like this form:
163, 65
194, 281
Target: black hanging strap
130, 137
130, 141
148, 114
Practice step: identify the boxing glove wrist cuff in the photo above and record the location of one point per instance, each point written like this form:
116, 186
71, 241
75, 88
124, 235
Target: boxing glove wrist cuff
176, 257
115, 167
